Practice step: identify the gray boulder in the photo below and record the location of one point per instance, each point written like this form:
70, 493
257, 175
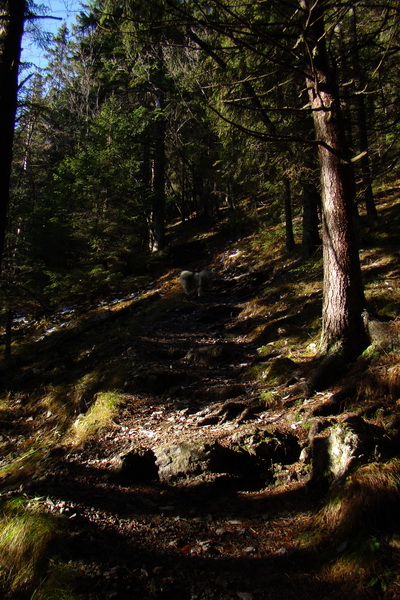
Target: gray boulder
349, 444
189, 460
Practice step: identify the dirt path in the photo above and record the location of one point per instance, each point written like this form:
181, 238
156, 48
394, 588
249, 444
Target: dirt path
159, 541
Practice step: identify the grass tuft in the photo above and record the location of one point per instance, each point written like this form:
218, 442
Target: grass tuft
26, 536
351, 533
58, 585
366, 504
98, 416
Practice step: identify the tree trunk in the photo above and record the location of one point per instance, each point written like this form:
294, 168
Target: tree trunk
157, 233
8, 335
290, 244
12, 13
343, 329
366, 179
311, 201
158, 204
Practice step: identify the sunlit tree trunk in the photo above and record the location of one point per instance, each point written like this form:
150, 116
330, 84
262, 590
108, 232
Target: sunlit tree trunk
343, 329
12, 13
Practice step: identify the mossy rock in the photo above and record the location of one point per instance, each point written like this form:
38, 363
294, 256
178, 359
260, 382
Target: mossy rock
258, 371
208, 355
280, 371
350, 443
277, 447
187, 460
157, 381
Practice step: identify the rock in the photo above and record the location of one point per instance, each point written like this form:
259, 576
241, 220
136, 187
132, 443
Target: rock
274, 447
138, 465
349, 444
207, 355
281, 370
381, 333
188, 460
182, 460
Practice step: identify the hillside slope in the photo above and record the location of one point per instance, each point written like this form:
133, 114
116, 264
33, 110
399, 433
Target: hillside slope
170, 439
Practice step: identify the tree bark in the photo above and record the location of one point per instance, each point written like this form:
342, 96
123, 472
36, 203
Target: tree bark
343, 329
366, 179
8, 335
12, 14
158, 177
290, 243
311, 200
158, 187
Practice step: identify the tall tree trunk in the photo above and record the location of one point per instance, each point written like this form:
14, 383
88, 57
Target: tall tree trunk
159, 155
343, 329
8, 335
12, 13
366, 179
290, 244
158, 191
311, 201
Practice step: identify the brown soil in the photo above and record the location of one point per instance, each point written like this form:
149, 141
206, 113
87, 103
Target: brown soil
193, 540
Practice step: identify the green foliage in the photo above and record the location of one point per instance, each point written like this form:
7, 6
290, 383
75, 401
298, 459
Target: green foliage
224, 98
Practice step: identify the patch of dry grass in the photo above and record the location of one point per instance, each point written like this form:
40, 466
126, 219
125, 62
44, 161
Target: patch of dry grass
30, 539
99, 415
353, 530
367, 503
26, 536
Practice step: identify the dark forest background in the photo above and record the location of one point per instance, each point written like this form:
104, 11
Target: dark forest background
149, 113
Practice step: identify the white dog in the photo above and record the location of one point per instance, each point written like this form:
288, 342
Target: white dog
191, 282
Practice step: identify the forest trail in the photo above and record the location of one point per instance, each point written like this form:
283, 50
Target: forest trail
195, 540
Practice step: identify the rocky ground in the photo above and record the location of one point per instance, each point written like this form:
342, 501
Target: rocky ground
205, 484
138, 525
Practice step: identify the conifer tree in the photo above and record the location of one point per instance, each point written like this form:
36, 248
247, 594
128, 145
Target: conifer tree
12, 16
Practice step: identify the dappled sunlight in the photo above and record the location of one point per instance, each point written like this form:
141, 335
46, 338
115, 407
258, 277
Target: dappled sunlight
161, 368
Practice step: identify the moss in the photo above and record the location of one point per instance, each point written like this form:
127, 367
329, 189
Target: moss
257, 372
264, 350
365, 504
271, 399
280, 371
17, 469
